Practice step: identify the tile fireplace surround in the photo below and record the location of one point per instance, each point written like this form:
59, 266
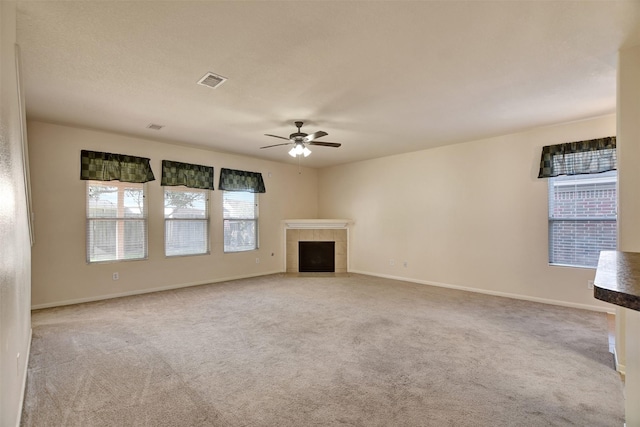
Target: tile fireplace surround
316, 230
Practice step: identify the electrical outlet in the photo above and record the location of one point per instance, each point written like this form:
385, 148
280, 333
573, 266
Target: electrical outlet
115, 276
589, 284
392, 262
257, 260
272, 254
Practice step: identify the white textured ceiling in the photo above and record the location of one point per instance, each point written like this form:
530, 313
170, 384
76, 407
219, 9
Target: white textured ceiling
380, 77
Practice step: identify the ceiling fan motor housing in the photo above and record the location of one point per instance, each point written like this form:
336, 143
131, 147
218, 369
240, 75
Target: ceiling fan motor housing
298, 136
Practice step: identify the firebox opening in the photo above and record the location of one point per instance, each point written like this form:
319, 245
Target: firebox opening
316, 257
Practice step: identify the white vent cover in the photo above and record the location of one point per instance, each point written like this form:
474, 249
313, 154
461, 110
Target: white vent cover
212, 80
154, 126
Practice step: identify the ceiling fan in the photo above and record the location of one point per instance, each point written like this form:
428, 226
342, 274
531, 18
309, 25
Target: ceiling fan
300, 140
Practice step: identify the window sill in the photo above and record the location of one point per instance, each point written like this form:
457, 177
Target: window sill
583, 267
113, 261
185, 255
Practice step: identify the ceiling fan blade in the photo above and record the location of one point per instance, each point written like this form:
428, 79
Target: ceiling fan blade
314, 135
326, 144
277, 145
276, 136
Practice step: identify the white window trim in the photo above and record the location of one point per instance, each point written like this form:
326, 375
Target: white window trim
563, 181
206, 220
144, 219
255, 219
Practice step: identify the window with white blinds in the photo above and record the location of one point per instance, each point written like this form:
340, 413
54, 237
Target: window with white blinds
240, 220
116, 221
582, 218
186, 221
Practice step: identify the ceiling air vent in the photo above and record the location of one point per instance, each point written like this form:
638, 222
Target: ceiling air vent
212, 80
154, 126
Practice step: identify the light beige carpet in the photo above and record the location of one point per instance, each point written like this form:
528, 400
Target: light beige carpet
320, 351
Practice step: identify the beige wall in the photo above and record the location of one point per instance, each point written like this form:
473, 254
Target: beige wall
471, 215
628, 321
60, 273
15, 257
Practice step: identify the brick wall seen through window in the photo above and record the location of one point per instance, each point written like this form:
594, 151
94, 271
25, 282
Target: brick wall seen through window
582, 218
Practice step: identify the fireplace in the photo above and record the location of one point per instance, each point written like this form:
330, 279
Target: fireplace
317, 257
332, 231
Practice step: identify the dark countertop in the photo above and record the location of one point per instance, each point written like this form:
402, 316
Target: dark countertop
618, 279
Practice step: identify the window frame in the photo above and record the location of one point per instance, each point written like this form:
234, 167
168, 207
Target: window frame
609, 177
206, 219
120, 221
254, 219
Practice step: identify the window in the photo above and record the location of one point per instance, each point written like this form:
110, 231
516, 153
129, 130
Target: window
186, 221
240, 217
116, 221
582, 218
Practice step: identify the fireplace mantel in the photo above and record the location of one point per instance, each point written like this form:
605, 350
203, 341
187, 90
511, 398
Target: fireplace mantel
316, 224
310, 230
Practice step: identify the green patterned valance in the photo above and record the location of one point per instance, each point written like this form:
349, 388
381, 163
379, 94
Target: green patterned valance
99, 166
192, 176
234, 180
582, 157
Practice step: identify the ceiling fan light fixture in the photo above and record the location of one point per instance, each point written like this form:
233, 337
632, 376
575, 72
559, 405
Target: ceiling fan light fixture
299, 150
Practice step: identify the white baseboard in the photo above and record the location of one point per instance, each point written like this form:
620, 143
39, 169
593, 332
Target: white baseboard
489, 292
368, 273
619, 367
24, 379
147, 291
